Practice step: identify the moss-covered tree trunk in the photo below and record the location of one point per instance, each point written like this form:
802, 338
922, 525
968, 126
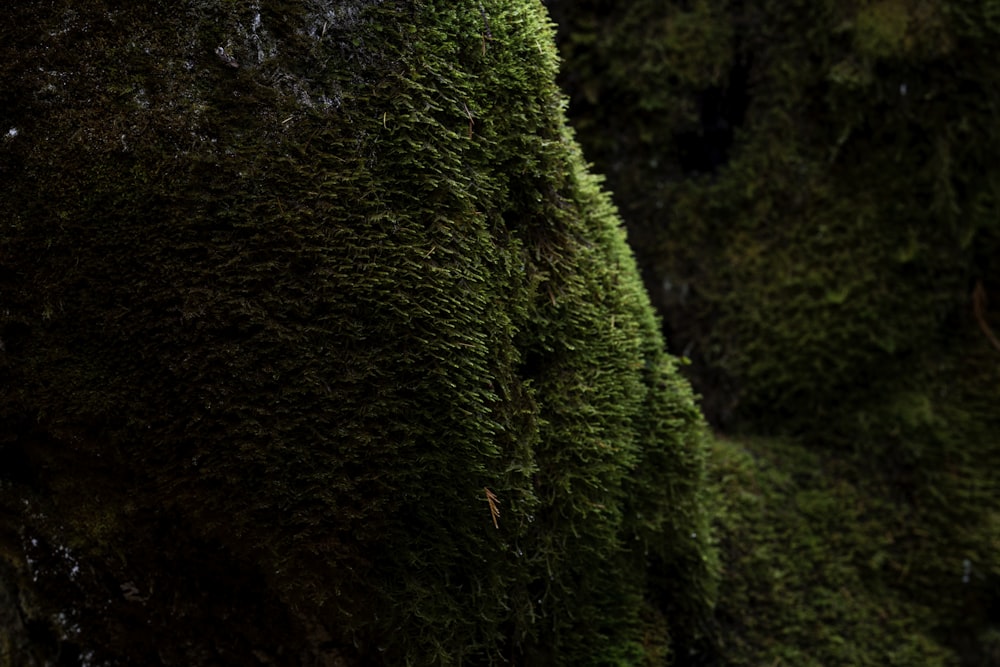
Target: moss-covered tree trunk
319, 346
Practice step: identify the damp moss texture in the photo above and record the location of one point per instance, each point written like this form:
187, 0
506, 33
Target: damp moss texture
812, 192
320, 345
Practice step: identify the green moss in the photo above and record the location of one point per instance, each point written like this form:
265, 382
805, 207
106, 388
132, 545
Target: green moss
797, 195
813, 198
288, 292
812, 563
881, 28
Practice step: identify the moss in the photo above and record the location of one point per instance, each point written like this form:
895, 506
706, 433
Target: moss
812, 195
761, 192
812, 563
881, 28
289, 291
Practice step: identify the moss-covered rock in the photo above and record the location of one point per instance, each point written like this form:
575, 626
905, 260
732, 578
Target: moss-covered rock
294, 298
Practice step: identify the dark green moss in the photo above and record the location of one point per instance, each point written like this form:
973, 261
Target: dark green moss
812, 192
288, 291
804, 184
813, 563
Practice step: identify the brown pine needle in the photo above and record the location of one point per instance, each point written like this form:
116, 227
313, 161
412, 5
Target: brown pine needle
494, 510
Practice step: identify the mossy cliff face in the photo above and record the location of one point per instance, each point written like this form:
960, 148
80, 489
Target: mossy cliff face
292, 295
812, 190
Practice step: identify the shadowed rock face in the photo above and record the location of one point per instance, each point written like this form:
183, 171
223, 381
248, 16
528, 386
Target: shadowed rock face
285, 289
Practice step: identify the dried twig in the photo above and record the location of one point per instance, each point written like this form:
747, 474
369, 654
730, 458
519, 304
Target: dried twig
494, 510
